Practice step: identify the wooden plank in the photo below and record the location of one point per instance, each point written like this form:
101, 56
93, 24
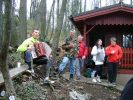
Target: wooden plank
14, 72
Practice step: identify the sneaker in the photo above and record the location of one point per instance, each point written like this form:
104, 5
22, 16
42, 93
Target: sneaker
78, 77
47, 80
98, 79
111, 84
60, 74
29, 71
114, 84
94, 80
32, 70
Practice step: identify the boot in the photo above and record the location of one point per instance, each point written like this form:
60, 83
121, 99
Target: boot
29, 64
71, 76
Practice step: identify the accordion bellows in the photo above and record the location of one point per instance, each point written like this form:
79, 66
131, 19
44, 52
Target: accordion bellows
39, 49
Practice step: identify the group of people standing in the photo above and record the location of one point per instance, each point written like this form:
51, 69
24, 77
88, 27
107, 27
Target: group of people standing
76, 51
113, 52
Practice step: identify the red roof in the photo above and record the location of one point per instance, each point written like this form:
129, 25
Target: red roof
104, 11
118, 14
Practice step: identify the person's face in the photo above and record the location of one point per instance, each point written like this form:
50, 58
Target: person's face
35, 35
72, 34
80, 38
100, 42
113, 42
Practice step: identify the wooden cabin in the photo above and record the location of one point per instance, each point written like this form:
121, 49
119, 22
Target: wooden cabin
115, 20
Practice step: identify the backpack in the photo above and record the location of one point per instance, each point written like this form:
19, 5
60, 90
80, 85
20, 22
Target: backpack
90, 62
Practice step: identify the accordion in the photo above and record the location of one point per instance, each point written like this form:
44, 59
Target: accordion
39, 49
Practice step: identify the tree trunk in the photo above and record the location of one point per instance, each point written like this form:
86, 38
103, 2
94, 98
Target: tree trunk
23, 20
85, 6
131, 2
1, 23
14, 37
80, 9
43, 19
4, 51
53, 26
49, 18
57, 11
59, 26
100, 3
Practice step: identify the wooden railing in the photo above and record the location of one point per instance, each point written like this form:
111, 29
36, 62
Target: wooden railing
127, 59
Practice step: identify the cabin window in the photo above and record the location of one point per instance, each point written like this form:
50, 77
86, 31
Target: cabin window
127, 40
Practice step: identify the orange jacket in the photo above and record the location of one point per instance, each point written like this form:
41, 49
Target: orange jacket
116, 55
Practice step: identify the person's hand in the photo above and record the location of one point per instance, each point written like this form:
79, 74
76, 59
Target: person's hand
30, 47
83, 57
112, 52
50, 55
71, 45
99, 51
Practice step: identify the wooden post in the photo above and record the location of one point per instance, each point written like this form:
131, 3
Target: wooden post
85, 33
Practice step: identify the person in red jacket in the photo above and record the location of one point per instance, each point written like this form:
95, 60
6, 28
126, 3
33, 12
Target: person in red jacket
114, 54
81, 55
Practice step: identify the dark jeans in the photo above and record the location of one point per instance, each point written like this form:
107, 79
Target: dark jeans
28, 58
46, 66
98, 70
112, 71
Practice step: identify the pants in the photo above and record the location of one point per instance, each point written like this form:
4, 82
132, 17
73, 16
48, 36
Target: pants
112, 71
47, 68
79, 63
28, 59
72, 66
65, 61
63, 64
98, 70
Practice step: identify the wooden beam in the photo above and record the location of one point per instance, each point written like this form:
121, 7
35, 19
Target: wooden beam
85, 33
14, 72
90, 29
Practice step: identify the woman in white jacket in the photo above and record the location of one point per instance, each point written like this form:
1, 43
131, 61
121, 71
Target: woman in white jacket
98, 54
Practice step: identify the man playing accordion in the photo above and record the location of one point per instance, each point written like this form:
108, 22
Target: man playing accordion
34, 51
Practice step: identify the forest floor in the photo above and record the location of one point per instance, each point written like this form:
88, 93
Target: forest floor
64, 89
30, 87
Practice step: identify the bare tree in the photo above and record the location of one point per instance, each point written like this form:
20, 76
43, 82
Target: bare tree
49, 18
131, 2
14, 36
53, 25
43, 18
1, 23
23, 19
33, 8
80, 8
57, 9
4, 50
59, 25
85, 5
100, 3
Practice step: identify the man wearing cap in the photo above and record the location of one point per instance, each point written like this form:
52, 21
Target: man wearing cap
27, 47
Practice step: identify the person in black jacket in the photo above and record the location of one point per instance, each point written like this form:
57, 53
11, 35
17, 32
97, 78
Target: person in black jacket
127, 93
